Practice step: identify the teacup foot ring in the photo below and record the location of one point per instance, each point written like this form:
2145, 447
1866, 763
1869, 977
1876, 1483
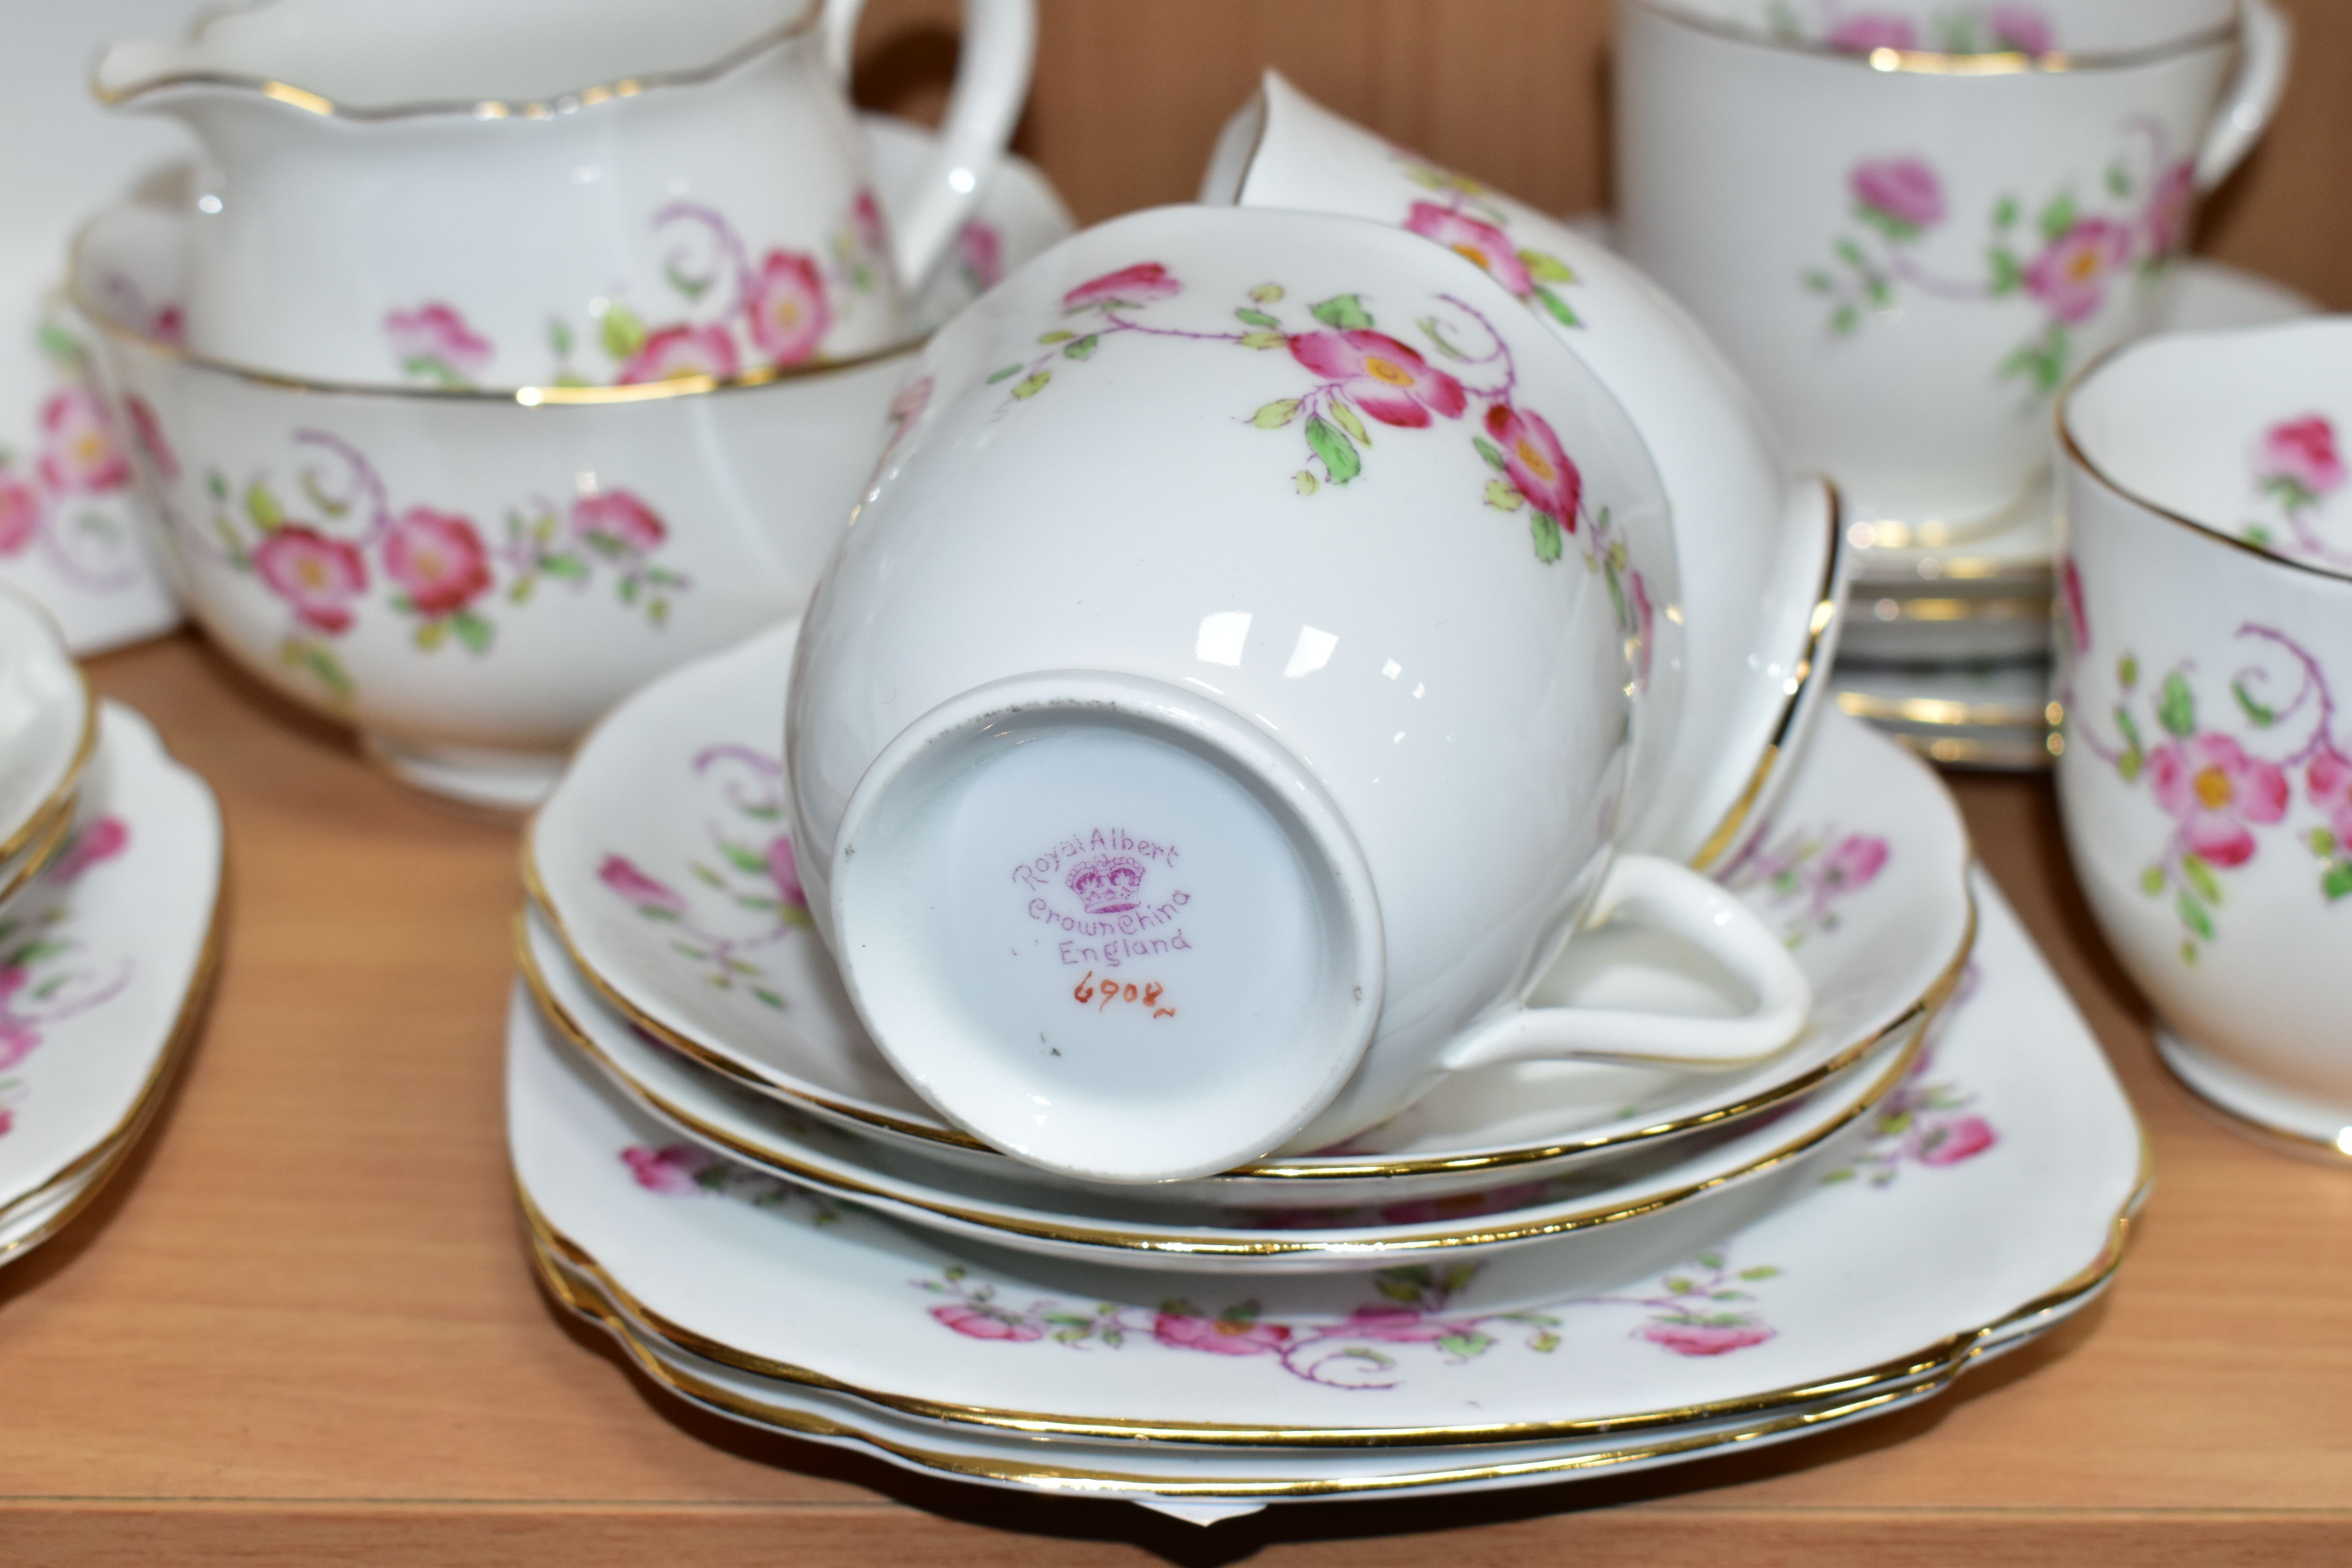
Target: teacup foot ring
2275, 1118
487, 778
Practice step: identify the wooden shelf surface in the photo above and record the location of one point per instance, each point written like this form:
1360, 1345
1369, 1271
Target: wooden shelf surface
300, 1326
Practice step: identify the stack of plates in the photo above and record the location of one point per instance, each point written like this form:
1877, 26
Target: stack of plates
110, 878
1947, 642
1543, 1270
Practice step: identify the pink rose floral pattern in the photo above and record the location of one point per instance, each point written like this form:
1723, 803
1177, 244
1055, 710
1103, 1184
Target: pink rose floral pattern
1801, 878
1933, 1125
2067, 261
728, 311
1357, 376
684, 1170
61, 501
48, 973
2267, 768
1469, 220
2298, 469
1940, 30
1706, 1309
352, 549
751, 871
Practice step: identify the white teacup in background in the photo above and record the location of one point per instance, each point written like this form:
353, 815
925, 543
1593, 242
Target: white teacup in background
1758, 549
550, 190
1909, 254
1219, 715
2207, 775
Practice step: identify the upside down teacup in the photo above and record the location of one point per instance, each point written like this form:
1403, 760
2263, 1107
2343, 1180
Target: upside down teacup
1220, 713
2207, 776
536, 192
1758, 548
1909, 224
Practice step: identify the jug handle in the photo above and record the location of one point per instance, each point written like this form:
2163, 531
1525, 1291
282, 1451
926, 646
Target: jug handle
992, 83
2265, 49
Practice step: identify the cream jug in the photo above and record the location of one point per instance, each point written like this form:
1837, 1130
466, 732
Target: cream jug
552, 192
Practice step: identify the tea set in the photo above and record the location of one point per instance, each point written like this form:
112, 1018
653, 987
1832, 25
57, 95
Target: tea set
1214, 859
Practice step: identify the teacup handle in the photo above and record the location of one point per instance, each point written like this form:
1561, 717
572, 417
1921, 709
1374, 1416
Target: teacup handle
1676, 900
1000, 46
2265, 51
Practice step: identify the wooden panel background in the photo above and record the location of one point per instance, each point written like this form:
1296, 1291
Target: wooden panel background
1129, 95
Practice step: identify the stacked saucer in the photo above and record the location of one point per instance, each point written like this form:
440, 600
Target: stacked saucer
1947, 643
1539, 1271
109, 878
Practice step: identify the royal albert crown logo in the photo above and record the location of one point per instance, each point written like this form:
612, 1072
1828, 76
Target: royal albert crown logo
1108, 886
1109, 895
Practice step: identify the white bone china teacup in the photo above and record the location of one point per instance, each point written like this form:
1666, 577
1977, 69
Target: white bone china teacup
1219, 715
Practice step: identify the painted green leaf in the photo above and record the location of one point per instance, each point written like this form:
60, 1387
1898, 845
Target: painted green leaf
2004, 213
1465, 1344
1504, 495
2200, 877
624, 335
2008, 276
1557, 308
2337, 883
1275, 415
1547, 536
60, 345
1761, 1271
1545, 1342
1033, 384
1307, 482
1009, 372
1256, 319
2176, 711
1545, 269
1340, 456
431, 635
1492, 453
1266, 293
2058, 216
1846, 319
569, 566
744, 860
1678, 1285
2262, 717
2193, 915
472, 630
261, 505
559, 337
1851, 254
1345, 311
2151, 881
1084, 348
1264, 340
1058, 335
2322, 843
1349, 422
2118, 180
1820, 282
2127, 671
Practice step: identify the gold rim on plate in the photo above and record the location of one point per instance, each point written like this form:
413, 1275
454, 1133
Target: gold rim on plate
1926, 1004
1171, 1240
1809, 667
102, 1160
1938, 1362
